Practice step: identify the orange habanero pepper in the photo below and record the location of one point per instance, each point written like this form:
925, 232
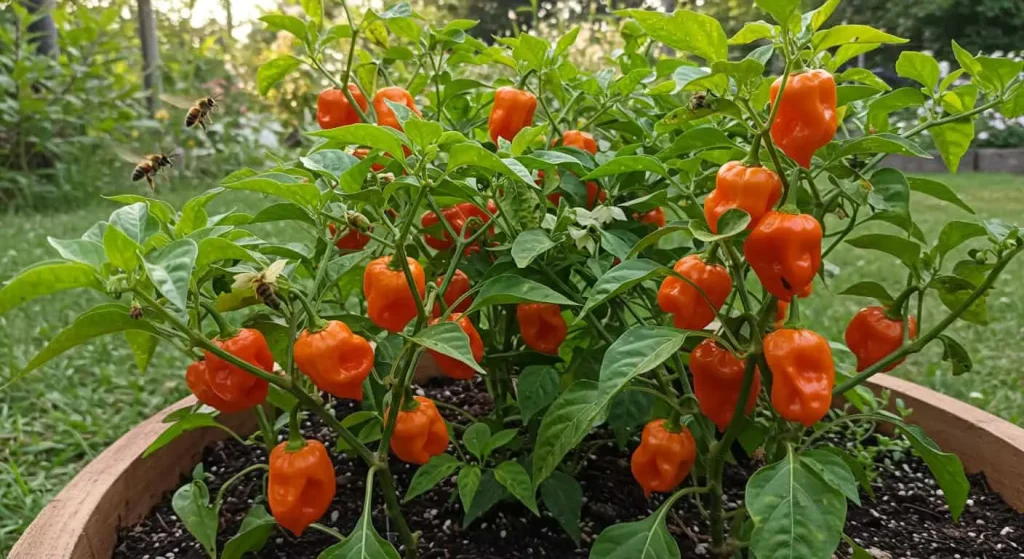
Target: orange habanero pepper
803, 374
420, 432
334, 110
690, 311
872, 335
389, 302
542, 326
335, 359
301, 485
664, 458
353, 240
512, 111
717, 380
806, 118
655, 217
224, 386
784, 250
395, 94
453, 367
457, 287
581, 140
754, 190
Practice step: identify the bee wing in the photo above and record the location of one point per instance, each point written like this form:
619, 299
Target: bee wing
177, 101
244, 280
128, 155
274, 270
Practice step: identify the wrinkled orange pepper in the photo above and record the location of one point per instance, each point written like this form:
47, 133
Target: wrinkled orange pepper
395, 94
803, 374
224, 386
512, 111
453, 367
690, 311
335, 359
420, 432
334, 110
806, 118
664, 458
784, 250
717, 380
301, 485
542, 326
754, 190
872, 336
581, 140
389, 302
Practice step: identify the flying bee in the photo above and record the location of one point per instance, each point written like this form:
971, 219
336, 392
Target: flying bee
198, 110
263, 282
147, 166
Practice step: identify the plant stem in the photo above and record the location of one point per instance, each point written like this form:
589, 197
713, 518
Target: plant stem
231, 481
327, 530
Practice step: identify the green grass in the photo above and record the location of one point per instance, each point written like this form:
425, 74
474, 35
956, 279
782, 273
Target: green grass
58, 418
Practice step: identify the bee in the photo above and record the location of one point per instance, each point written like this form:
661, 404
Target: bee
198, 110
147, 166
698, 101
263, 282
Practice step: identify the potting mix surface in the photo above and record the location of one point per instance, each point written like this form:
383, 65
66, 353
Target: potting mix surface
907, 517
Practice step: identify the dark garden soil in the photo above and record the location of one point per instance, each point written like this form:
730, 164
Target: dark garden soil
908, 517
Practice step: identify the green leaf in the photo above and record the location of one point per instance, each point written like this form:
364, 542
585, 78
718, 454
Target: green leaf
363, 543
488, 493
864, 76
953, 140
621, 278
475, 439
273, 71
628, 164
890, 197
157, 208
870, 289
852, 34
362, 134
252, 534
956, 233
170, 270
507, 288
909, 252
617, 242
628, 411
796, 513
281, 22
731, 223
329, 162
655, 236
191, 502
565, 42
500, 439
531, 50
954, 290
190, 422
303, 194
846, 94
644, 539
563, 497
752, 31
472, 154
684, 30
525, 138
314, 10
143, 346
881, 143
98, 321
529, 245
946, 467
430, 474
80, 250
919, 67
132, 221
939, 191
956, 355
967, 60
45, 279
536, 389
450, 339
780, 10
121, 250
423, 132
819, 16
998, 73
581, 406
881, 107
213, 249
834, 471
515, 478
469, 481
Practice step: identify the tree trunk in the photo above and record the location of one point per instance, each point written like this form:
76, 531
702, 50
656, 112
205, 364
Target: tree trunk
150, 54
42, 31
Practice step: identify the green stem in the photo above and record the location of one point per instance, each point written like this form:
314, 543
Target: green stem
227, 331
737, 269
295, 440
327, 530
266, 428
233, 479
315, 322
659, 394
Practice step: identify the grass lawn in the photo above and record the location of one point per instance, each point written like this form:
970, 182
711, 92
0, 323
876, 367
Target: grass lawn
60, 417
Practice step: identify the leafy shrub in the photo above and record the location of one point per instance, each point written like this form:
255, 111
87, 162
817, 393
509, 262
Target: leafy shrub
646, 230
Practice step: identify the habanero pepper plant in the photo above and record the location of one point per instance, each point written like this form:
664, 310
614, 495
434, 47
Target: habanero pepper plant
574, 237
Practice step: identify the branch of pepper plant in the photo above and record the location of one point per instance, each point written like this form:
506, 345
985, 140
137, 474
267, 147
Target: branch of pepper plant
843, 234
231, 481
565, 110
919, 344
266, 429
603, 108
403, 234
594, 323
544, 106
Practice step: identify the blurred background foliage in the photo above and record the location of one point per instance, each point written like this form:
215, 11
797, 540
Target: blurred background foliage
72, 81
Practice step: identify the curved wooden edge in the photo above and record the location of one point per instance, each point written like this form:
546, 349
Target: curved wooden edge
985, 443
118, 488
